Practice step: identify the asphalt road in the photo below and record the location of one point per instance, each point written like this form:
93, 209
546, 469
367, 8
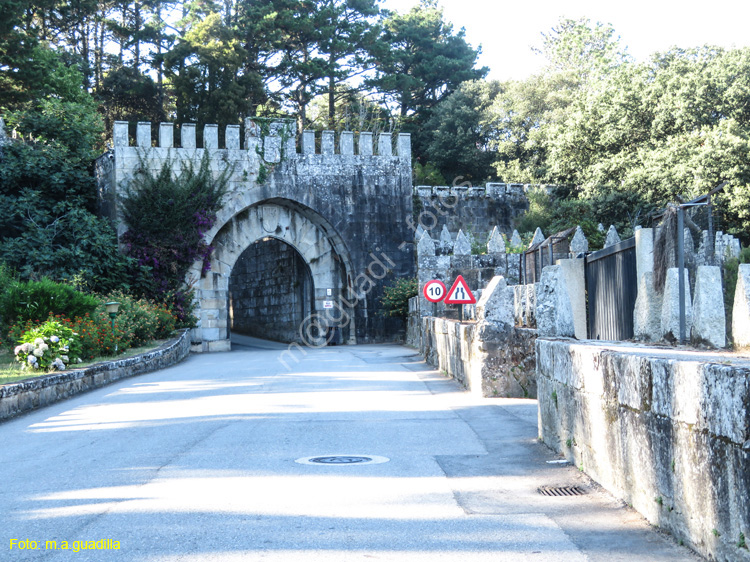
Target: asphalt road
199, 463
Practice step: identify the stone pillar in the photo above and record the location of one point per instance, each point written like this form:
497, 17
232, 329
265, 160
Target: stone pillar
496, 243
143, 134
741, 308
574, 274
554, 313
327, 143
308, 142
538, 237
670, 308
365, 144
166, 135
647, 313
404, 146
644, 251
612, 237
579, 244
346, 143
187, 135
211, 137
709, 318
232, 137
385, 145
252, 134
120, 137
272, 143
290, 150
462, 246
495, 306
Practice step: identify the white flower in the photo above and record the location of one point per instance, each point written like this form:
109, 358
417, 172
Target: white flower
38, 341
54, 339
32, 360
44, 347
58, 364
27, 348
79, 360
18, 349
65, 359
38, 352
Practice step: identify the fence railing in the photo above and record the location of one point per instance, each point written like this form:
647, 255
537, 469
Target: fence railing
612, 287
540, 255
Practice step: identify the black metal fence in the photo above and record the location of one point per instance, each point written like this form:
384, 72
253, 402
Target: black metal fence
612, 287
542, 254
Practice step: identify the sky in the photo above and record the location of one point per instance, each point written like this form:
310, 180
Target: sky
508, 30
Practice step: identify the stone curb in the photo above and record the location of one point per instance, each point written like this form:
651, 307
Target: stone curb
18, 398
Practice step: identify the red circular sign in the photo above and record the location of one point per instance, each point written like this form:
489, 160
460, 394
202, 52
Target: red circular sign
435, 290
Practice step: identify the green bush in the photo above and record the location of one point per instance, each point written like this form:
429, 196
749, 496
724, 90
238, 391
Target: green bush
48, 347
37, 300
147, 321
395, 299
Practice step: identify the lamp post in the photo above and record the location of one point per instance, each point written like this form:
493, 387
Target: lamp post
112, 308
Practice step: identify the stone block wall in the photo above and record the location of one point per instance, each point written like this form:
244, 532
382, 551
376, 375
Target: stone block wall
475, 209
486, 361
667, 433
270, 292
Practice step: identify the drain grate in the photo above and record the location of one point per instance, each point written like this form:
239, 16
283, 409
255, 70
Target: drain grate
340, 460
561, 491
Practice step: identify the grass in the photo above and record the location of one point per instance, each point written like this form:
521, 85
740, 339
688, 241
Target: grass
10, 369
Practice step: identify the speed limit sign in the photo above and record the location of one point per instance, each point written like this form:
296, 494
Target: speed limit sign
434, 291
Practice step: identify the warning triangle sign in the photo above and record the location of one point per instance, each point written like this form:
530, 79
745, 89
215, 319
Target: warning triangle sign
460, 293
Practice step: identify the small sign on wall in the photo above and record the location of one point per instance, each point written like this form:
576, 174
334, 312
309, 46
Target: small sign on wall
327, 304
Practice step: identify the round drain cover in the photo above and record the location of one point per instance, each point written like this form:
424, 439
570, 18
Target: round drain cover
340, 460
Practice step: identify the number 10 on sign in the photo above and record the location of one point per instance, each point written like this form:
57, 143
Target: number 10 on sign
434, 291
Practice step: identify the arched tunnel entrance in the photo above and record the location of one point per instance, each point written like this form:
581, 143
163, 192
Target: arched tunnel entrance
278, 271
271, 292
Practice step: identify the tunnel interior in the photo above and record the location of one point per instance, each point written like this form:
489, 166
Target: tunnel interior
271, 292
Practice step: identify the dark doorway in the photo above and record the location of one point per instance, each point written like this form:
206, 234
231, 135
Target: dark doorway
270, 292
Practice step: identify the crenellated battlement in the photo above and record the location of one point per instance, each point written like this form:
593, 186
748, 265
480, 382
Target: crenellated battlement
278, 133
488, 190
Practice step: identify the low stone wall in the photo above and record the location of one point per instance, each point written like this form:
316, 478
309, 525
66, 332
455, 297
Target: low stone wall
24, 396
666, 431
484, 359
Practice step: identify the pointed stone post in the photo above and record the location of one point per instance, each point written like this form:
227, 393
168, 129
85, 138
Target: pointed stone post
462, 246
579, 244
612, 237
496, 243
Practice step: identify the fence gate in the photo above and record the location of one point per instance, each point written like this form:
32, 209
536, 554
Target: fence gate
612, 287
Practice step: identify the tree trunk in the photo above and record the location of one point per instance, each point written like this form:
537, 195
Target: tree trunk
331, 94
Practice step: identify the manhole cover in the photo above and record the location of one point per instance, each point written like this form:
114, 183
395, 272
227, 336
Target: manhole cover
340, 460
561, 491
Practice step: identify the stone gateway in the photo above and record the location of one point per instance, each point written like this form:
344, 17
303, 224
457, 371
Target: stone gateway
338, 219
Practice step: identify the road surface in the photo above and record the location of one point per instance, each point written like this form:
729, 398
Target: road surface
205, 461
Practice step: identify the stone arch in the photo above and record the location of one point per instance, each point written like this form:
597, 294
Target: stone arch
315, 240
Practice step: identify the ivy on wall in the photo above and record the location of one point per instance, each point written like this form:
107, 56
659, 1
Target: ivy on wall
168, 215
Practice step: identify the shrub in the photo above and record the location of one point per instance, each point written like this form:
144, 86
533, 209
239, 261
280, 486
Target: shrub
395, 299
36, 300
48, 347
147, 321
